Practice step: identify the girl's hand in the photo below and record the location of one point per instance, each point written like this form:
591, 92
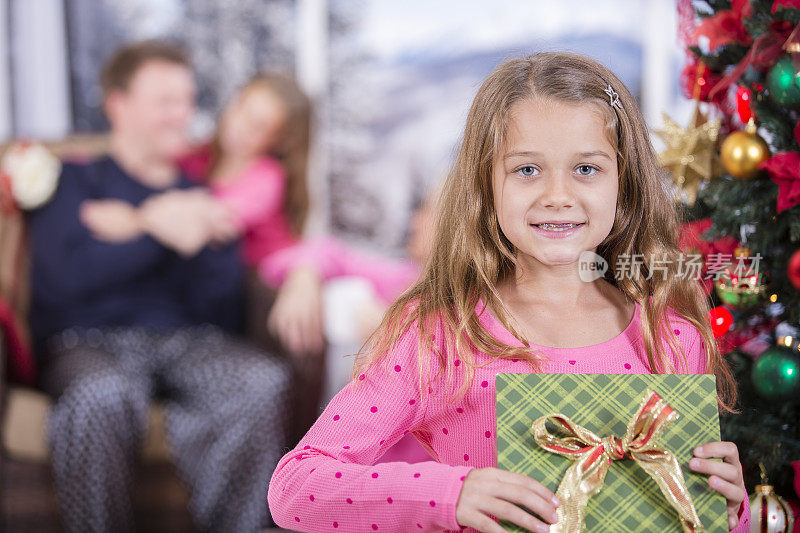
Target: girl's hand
296, 316
726, 477
492, 491
221, 220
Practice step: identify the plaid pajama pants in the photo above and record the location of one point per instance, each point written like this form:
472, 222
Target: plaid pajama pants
226, 407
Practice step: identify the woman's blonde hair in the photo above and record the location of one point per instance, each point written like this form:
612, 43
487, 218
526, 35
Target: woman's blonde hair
292, 150
471, 255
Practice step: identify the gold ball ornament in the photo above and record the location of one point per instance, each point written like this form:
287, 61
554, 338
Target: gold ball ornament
743, 151
769, 512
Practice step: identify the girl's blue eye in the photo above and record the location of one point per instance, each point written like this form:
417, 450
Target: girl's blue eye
589, 170
526, 171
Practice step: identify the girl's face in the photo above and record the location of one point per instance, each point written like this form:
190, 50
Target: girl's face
558, 167
252, 123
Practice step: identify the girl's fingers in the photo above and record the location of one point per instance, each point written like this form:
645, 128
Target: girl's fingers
726, 471
520, 495
320, 327
290, 336
303, 329
297, 338
502, 494
314, 337
528, 482
505, 510
483, 523
285, 335
733, 493
272, 323
727, 451
315, 329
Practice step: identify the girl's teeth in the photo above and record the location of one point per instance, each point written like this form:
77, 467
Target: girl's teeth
557, 227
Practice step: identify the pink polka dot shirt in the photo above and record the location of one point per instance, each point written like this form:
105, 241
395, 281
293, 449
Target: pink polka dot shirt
330, 481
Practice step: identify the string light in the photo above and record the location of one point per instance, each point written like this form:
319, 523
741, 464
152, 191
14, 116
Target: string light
790, 342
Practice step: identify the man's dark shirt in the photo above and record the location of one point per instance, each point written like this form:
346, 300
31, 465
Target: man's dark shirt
78, 280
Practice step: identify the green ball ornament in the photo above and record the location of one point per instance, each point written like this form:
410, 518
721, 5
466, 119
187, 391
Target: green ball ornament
776, 373
783, 82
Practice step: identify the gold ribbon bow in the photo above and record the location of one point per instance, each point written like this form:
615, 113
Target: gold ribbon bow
593, 456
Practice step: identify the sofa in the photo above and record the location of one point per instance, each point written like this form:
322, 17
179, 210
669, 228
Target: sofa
27, 500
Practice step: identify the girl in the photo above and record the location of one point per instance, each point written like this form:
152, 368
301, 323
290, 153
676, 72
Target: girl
555, 161
322, 259
256, 167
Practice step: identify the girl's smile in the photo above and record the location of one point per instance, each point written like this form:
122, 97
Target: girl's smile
555, 230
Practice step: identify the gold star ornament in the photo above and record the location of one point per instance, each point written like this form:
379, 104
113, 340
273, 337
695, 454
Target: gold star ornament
690, 153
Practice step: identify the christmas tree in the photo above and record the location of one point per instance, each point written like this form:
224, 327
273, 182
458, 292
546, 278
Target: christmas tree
737, 168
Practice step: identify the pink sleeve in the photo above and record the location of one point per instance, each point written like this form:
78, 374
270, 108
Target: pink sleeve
744, 517
388, 275
323, 254
332, 258
328, 482
256, 194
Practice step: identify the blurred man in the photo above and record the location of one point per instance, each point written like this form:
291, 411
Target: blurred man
127, 305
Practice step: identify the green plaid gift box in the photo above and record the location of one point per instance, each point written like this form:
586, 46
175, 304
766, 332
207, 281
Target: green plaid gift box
630, 500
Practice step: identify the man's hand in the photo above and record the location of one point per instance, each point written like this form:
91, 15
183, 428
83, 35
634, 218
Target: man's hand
178, 220
111, 220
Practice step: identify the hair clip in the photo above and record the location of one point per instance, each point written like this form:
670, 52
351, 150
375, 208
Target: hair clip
613, 97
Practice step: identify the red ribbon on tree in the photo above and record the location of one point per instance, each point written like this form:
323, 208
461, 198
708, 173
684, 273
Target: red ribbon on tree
726, 26
784, 169
763, 53
686, 23
697, 80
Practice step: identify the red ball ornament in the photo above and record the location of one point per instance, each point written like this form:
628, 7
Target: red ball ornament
721, 320
793, 270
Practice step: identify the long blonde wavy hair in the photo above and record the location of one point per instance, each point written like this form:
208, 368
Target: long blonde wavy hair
471, 255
